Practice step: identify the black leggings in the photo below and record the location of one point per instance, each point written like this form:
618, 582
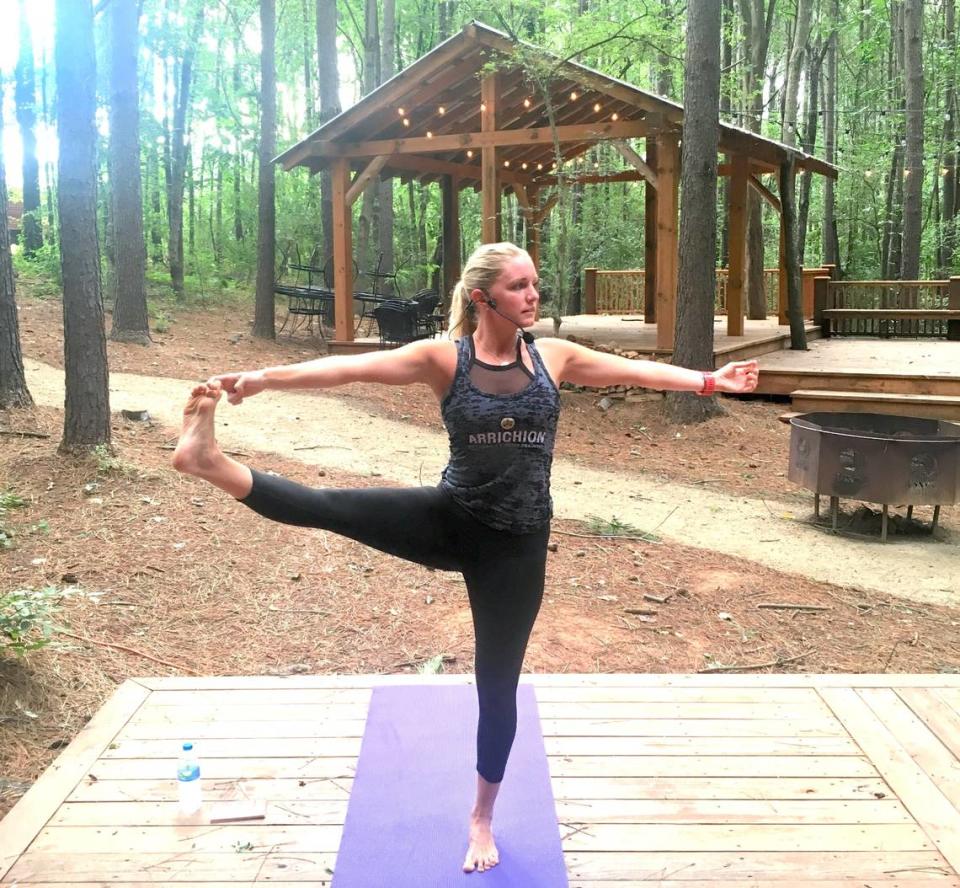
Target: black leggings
504, 574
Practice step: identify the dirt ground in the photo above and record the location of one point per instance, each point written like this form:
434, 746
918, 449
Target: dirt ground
161, 574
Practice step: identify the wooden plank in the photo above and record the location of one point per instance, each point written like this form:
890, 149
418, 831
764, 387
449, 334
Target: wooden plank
770, 789
38, 804
163, 867
937, 714
783, 382
163, 789
259, 747
371, 170
737, 235
342, 251
749, 839
650, 221
726, 811
927, 406
918, 741
571, 680
490, 186
930, 808
486, 138
331, 812
699, 746
638, 163
228, 769
668, 160
451, 270
203, 730
719, 868
85, 841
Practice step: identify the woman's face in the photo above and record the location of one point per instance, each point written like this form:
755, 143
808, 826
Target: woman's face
515, 291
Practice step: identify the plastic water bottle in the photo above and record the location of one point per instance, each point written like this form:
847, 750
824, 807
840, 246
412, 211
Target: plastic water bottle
188, 781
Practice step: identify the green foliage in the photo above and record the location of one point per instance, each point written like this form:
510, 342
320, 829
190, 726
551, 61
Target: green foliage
614, 527
8, 500
27, 618
107, 462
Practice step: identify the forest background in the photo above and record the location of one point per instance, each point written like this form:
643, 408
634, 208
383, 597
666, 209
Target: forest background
832, 77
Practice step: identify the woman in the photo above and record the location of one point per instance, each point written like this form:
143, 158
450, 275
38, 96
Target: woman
489, 517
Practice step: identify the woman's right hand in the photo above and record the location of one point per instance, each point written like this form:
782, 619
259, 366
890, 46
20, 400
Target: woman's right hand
241, 385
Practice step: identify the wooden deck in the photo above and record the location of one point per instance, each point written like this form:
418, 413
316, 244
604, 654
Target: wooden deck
816, 781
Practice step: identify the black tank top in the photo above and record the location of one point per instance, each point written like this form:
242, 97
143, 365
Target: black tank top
502, 422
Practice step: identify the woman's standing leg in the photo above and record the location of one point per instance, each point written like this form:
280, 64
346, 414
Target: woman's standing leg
505, 585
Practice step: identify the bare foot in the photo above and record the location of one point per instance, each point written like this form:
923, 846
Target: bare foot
482, 853
197, 448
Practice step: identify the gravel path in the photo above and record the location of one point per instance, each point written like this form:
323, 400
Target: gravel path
324, 431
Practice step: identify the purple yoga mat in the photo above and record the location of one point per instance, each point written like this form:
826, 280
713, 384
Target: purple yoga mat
407, 819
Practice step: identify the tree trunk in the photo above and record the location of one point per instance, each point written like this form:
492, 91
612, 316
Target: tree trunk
913, 158
698, 219
328, 81
949, 139
26, 100
156, 207
130, 294
798, 335
385, 196
13, 381
371, 77
664, 69
178, 157
809, 146
757, 24
801, 34
309, 107
263, 323
831, 247
726, 106
87, 404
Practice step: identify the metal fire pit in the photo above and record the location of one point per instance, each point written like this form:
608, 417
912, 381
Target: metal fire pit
876, 458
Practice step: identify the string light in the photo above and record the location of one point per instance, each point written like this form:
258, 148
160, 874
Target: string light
429, 134
596, 106
441, 110
523, 165
469, 153
614, 116
539, 166
483, 106
406, 121
506, 163
400, 111
573, 96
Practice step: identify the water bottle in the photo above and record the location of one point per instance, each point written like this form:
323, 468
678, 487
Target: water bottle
188, 781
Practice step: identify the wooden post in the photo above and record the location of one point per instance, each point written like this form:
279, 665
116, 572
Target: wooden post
590, 291
342, 251
821, 300
650, 241
737, 239
451, 237
808, 275
783, 316
490, 184
953, 303
668, 156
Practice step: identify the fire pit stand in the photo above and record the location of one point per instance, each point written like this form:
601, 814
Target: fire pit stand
876, 458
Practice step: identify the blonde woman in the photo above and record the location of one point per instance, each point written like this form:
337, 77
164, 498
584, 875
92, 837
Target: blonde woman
489, 516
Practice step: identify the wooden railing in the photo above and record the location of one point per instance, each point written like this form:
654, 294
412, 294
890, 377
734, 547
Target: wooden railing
621, 292
922, 309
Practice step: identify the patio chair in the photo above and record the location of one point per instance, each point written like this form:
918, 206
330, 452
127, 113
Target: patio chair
426, 302
399, 323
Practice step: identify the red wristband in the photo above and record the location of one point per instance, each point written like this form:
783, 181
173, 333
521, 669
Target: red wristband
709, 384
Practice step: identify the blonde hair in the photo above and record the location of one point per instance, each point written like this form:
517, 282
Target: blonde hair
480, 273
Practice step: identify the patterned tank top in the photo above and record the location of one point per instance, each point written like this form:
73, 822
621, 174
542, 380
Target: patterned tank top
502, 422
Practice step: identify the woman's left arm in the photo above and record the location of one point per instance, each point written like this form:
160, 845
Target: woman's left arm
574, 363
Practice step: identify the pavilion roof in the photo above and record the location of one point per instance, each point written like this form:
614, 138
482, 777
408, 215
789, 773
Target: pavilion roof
425, 122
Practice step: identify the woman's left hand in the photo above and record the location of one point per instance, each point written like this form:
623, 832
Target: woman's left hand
737, 377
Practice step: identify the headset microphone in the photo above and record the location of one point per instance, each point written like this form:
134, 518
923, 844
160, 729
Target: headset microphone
525, 335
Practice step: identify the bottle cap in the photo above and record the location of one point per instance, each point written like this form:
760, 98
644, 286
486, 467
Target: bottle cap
187, 747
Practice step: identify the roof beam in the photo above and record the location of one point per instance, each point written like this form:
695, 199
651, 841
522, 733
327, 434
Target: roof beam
362, 178
638, 163
626, 129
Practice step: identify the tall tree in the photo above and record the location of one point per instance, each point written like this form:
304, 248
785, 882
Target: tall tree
263, 322
949, 138
328, 81
757, 25
178, 156
87, 405
698, 218
831, 245
13, 381
371, 79
130, 293
26, 100
388, 66
913, 159
801, 33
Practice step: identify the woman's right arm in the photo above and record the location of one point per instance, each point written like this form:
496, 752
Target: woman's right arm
429, 362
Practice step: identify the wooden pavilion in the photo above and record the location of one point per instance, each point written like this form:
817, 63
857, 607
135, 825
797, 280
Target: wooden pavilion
469, 114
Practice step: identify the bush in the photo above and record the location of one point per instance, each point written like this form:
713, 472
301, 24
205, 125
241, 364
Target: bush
26, 618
